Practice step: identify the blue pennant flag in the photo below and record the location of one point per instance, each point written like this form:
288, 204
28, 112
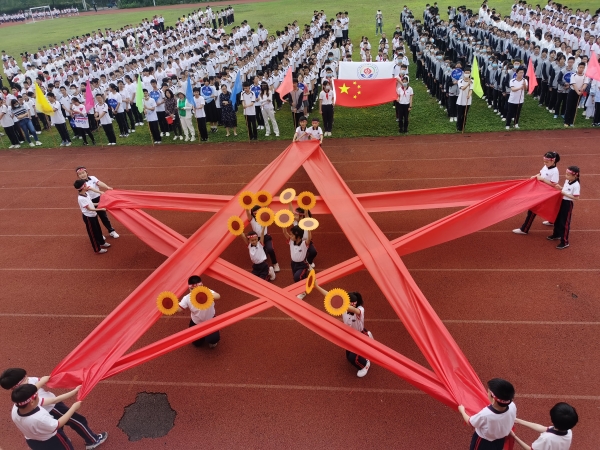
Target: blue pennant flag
189, 94
237, 89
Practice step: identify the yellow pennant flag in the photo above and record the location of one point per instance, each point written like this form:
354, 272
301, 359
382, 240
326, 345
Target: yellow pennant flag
41, 102
476, 81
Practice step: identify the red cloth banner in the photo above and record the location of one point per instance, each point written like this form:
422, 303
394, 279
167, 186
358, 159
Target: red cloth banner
532, 80
452, 381
362, 93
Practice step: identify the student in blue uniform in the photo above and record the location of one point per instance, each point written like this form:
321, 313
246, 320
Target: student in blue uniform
557, 437
493, 423
549, 172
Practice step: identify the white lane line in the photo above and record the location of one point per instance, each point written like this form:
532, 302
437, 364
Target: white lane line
296, 387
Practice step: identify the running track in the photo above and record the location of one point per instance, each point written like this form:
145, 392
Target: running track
517, 307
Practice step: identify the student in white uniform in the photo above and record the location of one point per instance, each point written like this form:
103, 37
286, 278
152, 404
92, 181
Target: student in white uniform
299, 214
200, 315
15, 376
298, 251
550, 173
265, 100
354, 317
256, 248
493, 423
200, 115
464, 99
562, 224
90, 218
94, 185
302, 133
326, 101
404, 104
248, 101
268, 244
58, 120
557, 437
315, 130
40, 429
518, 86
151, 116
103, 117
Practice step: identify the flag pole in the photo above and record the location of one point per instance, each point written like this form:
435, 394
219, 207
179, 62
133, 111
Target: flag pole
576, 108
519, 106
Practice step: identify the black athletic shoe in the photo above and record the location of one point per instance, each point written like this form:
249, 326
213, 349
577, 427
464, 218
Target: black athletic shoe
553, 238
562, 246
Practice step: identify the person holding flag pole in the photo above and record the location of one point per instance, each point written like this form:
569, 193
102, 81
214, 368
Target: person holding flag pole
466, 87
140, 104
517, 96
285, 88
593, 73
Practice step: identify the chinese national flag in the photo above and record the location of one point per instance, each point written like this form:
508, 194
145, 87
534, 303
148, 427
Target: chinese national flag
361, 93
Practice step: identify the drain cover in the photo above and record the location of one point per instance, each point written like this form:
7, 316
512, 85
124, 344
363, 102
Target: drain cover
150, 416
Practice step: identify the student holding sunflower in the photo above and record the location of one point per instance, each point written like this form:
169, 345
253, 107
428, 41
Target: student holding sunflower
199, 315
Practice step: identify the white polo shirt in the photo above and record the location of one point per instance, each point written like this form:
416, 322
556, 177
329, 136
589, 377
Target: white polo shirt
298, 252
354, 321
249, 99
257, 254
553, 440
516, 97
37, 424
93, 183
551, 175
198, 315
199, 109
571, 189
316, 134
257, 228
84, 201
491, 424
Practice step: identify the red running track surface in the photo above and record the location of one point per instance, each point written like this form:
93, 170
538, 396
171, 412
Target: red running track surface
245, 387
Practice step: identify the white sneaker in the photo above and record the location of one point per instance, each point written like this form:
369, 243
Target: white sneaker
271, 273
312, 265
12, 146
213, 345
162, 134
517, 125
451, 119
277, 134
31, 144
167, 134
370, 335
267, 134
518, 231
186, 138
301, 295
105, 245
508, 128
193, 138
548, 224
362, 372
102, 250
38, 132
495, 110
276, 267
114, 234
101, 438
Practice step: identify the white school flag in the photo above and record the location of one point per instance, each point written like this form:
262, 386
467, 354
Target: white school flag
366, 70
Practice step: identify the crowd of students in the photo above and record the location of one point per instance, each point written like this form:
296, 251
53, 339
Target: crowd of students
23, 15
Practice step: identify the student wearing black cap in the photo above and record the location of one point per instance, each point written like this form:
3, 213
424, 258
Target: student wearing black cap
494, 422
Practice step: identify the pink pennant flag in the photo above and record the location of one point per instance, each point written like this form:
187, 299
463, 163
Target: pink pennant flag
532, 79
89, 97
593, 68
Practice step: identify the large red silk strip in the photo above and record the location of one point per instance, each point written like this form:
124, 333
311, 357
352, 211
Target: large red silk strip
102, 354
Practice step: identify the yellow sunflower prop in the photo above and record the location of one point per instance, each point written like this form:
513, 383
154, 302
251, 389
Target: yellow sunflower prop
265, 217
247, 199
263, 198
235, 225
337, 302
284, 218
310, 281
201, 297
167, 303
306, 200
287, 196
308, 224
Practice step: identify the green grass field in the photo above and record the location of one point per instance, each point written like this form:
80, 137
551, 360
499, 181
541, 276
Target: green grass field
426, 117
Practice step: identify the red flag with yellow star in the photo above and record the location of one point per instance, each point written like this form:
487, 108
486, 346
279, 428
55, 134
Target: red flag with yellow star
361, 93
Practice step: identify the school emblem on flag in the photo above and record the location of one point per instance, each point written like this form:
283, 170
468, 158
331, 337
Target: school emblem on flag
367, 71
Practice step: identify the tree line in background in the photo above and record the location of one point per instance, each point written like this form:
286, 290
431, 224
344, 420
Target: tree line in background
13, 6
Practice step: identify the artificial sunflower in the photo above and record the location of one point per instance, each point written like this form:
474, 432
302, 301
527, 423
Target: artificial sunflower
263, 198
284, 218
287, 196
247, 199
308, 224
201, 297
337, 302
235, 225
310, 281
167, 303
265, 217
306, 200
